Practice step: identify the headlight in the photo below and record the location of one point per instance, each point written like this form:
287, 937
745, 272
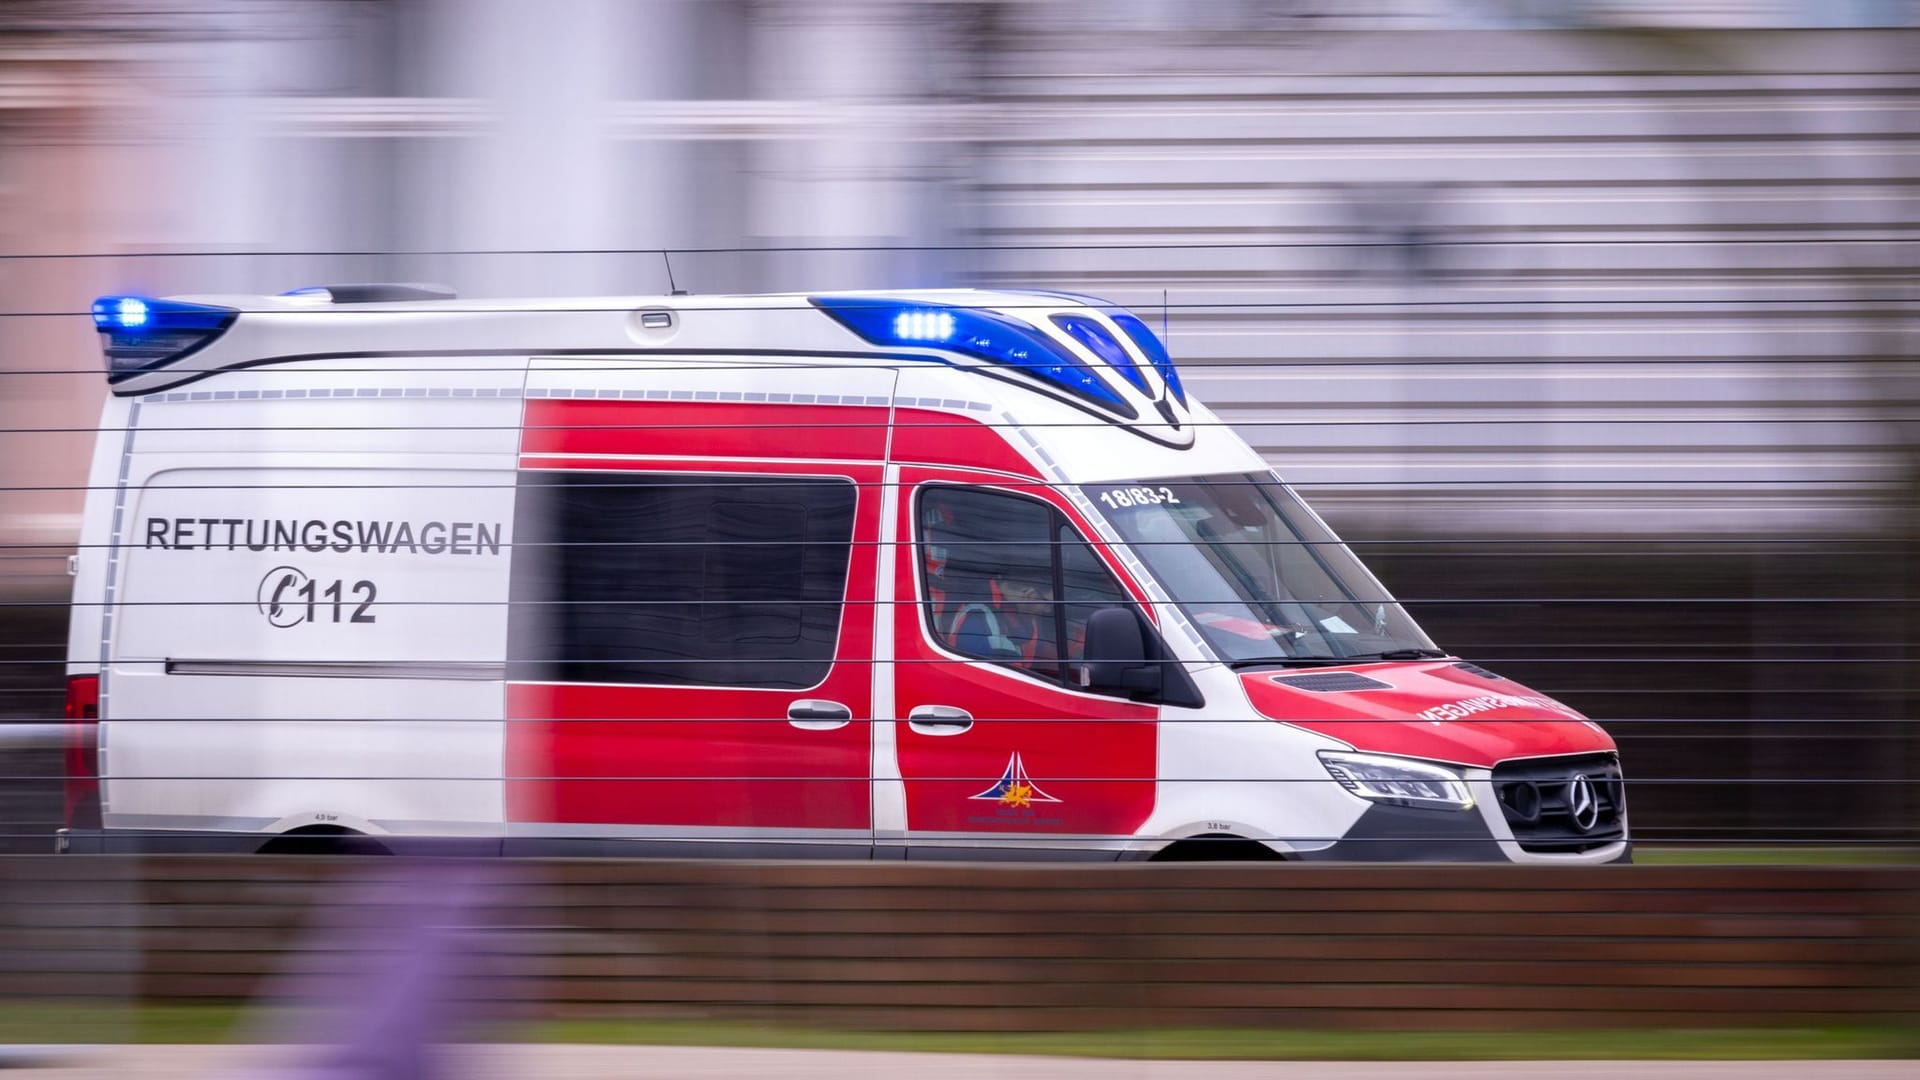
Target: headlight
1399, 781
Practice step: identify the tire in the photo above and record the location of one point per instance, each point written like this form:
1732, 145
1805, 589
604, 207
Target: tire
323, 840
1216, 847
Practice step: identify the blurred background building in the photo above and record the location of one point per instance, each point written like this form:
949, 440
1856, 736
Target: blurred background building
1592, 322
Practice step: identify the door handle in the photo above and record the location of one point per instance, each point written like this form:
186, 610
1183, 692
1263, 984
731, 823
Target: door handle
812, 714
939, 720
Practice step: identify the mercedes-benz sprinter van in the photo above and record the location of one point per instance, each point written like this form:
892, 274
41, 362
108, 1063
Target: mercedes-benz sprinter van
918, 574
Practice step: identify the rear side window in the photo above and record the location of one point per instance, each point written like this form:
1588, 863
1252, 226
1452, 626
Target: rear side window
678, 580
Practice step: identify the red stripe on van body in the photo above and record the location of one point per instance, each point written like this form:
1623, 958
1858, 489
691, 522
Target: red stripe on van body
722, 757
705, 429
697, 756
723, 429
926, 437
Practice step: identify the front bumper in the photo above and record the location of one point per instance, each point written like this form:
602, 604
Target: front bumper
1402, 834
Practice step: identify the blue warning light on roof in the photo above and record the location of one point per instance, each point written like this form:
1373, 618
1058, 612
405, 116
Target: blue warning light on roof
923, 326
124, 311
983, 335
1095, 337
141, 333
1149, 344
1155, 351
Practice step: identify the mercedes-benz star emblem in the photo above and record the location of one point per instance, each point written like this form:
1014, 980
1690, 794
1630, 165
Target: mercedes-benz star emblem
1582, 804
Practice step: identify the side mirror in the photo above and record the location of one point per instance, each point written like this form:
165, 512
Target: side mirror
1116, 656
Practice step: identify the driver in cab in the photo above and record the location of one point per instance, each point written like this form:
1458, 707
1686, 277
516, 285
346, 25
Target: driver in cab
1015, 625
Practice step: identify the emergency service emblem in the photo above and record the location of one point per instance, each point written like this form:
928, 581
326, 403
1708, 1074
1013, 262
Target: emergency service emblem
1015, 790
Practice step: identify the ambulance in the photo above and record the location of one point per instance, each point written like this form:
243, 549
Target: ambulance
947, 574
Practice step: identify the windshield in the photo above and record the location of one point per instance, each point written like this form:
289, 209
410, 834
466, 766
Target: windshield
1257, 572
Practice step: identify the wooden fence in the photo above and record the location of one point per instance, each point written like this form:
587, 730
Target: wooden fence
972, 947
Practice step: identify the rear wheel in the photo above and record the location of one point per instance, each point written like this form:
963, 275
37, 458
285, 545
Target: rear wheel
323, 840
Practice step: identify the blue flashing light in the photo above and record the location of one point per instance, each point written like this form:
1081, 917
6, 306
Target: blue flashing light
131, 311
141, 333
923, 326
1155, 352
1102, 344
983, 335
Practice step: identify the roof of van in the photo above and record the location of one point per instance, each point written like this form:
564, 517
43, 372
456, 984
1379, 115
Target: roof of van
316, 298
1082, 351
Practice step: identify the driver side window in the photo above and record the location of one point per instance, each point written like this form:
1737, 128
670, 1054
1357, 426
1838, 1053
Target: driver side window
1006, 578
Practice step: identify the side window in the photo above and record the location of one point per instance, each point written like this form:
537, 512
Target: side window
1007, 579
1086, 588
678, 580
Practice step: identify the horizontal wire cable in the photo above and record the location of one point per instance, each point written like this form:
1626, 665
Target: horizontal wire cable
1495, 601
573, 778
1263, 365
1236, 425
987, 722
381, 546
1304, 664
1889, 306
861, 840
800, 249
731, 481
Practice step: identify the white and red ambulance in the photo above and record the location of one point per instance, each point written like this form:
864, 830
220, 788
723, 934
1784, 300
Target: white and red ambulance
946, 574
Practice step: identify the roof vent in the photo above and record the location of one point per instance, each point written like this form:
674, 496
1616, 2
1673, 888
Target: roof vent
374, 292
1331, 682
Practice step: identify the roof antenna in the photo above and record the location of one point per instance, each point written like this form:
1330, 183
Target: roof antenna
676, 290
1163, 320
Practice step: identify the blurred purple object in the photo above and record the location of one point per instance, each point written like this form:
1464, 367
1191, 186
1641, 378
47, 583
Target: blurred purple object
410, 928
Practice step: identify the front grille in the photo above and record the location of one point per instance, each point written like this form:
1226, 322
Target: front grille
1539, 799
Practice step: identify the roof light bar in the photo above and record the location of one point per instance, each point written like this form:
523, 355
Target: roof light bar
1155, 351
1149, 343
1102, 344
923, 326
983, 335
126, 312
139, 333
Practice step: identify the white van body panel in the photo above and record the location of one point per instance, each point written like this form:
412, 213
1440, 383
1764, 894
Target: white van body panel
86, 627
1222, 774
390, 485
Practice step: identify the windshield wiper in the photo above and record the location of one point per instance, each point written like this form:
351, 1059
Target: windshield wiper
1402, 654
1336, 661
1289, 661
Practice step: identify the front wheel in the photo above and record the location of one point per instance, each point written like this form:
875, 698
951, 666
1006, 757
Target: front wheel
1216, 847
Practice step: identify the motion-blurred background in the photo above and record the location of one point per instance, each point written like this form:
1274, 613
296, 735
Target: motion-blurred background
1590, 322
